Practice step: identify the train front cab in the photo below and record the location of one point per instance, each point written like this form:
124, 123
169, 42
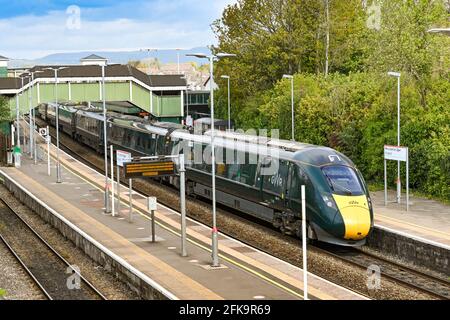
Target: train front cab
342, 211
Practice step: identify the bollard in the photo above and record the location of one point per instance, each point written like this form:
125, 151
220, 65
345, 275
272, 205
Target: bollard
130, 214
152, 206
48, 139
305, 264
183, 206
112, 181
118, 189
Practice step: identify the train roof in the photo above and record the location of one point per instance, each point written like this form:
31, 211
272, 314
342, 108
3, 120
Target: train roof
262, 140
276, 148
90, 114
304, 152
63, 107
208, 121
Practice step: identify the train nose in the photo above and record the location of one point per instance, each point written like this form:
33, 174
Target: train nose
356, 216
357, 222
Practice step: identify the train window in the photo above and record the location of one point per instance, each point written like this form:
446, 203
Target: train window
248, 171
343, 180
233, 172
138, 143
295, 192
298, 179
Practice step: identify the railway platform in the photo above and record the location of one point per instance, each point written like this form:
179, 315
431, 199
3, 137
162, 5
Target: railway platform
426, 219
420, 236
123, 246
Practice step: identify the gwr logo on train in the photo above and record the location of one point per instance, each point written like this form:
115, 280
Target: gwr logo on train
149, 169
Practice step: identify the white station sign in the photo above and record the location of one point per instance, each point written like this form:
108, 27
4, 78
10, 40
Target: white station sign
122, 157
396, 153
152, 204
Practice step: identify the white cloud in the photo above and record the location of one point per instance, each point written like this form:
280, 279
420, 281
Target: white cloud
181, 24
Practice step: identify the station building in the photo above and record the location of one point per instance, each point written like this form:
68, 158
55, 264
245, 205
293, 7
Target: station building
162, 96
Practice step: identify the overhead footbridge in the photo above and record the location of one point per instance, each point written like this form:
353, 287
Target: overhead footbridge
160, 95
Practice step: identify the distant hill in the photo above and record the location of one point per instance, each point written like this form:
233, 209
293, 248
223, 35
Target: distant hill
122, 57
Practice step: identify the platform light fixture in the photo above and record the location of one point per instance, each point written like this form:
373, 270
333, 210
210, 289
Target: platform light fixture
212, 58
58, 164
229, 103
187, 95
105, 142
33, 117
399, 184
288, 76
24, 76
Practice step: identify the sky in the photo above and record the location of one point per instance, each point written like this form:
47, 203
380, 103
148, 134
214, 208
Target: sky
31, 29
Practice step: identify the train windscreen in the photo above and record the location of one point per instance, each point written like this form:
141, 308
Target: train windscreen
343, 180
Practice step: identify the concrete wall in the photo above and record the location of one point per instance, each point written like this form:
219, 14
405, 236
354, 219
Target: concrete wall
411, 250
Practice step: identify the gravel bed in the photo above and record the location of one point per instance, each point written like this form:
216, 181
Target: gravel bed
15, 283
106, 283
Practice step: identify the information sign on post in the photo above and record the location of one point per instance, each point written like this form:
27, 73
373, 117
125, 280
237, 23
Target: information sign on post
149, 168
396, 153
122, 157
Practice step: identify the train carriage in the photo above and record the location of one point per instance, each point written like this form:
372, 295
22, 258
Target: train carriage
339, 208
89, 129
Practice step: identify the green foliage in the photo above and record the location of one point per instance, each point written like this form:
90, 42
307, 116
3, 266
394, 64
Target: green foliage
353, 109
357, 114
2, 293
5, 113
275, 37
403, 43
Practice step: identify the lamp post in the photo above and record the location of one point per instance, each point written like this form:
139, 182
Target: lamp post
187, 97
18, 111
33, 117
287, 76
215, 253
17, 116
229, 101
399, 185
58, 165
105, 142
28, 77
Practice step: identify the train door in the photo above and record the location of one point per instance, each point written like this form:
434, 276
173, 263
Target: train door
274, 180
294, 190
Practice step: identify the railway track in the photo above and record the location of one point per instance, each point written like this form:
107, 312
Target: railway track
434, 287
52, 274
437, 287
27, 271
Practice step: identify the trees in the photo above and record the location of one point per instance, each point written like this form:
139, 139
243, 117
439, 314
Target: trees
275, 37
5, 112
354, 108
403, 43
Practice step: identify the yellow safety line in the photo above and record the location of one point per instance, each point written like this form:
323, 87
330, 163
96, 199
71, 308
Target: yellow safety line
412, 224
196, 243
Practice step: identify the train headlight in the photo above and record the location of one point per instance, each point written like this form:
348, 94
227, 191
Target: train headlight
329, 201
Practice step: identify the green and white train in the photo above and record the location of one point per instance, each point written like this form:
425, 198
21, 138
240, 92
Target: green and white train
339, 208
